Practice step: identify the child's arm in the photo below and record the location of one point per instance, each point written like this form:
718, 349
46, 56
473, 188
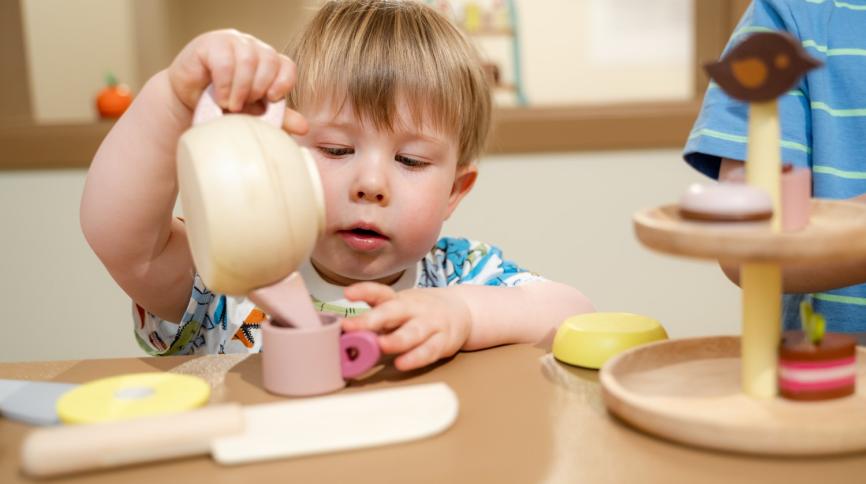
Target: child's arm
424, 325
805, 278
131, 188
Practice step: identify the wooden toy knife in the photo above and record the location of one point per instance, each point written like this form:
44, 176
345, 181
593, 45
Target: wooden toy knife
234, 434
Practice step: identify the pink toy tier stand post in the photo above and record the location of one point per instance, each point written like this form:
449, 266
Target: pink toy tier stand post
796, 195
314, 360
796, 199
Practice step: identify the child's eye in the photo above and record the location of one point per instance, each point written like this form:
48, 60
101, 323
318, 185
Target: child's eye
411, 162
335, 151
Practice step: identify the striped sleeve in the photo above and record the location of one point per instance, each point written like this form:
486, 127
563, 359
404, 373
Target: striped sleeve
722, 127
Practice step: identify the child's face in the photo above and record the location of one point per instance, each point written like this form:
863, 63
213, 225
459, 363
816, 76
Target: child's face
386, 193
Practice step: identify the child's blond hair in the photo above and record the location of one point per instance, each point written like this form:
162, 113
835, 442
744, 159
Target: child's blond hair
378, 54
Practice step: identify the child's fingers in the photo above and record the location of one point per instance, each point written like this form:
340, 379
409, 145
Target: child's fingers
384, 317
371, 293
406, 337
295, 123
246, 63
265, 74
220, 62
284, 79
422, 355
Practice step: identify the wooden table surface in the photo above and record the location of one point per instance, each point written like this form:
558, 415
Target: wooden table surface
524, 417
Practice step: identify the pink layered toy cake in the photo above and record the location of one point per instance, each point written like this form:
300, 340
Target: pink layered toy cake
820, 371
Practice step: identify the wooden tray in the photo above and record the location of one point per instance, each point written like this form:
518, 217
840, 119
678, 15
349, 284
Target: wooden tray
837, 229
688, 390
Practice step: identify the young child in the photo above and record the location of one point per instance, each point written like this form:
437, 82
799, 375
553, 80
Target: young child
823, 126
392, 101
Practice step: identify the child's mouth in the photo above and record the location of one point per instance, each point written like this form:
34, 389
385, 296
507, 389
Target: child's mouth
365, 233
363, 239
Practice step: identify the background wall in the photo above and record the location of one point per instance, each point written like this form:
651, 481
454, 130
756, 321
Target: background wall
598, 51
70, 47
567, 216
72, 44
572, 51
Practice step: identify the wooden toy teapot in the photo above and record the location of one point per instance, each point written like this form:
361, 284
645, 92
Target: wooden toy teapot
251, 196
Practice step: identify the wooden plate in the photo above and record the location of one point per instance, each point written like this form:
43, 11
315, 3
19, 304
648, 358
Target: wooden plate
837, 229
688, 390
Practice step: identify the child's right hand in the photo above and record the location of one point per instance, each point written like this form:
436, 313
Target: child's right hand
242, 68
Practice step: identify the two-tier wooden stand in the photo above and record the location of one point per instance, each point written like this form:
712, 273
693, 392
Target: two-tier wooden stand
699, 391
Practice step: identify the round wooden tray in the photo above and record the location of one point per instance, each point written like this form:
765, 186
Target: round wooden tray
837, 229
688, 390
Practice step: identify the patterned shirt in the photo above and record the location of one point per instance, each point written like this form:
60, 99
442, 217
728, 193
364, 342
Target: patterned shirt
823, 120
217, 323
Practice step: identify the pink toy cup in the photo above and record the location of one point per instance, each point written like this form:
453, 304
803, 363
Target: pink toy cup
314, 360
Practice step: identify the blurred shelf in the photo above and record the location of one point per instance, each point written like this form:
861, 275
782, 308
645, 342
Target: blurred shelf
587, 128
505, 87
35, 147
29, 146
491, 33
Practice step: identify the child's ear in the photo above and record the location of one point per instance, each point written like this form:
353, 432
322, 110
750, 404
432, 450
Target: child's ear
463, 183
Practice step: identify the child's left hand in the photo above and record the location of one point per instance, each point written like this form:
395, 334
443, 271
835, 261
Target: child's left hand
422, 324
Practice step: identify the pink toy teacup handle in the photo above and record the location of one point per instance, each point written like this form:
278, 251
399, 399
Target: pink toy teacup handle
208, 109
359, 351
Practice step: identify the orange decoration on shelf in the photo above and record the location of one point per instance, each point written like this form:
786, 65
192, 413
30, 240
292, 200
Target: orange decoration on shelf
113, 99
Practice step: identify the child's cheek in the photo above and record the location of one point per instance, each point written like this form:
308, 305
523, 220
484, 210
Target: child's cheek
420, 225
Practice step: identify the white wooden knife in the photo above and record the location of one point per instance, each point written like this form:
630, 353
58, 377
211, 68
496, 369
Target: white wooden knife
234, 434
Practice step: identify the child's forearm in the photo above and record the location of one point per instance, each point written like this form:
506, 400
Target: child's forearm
529, 313
806, 278
131, 188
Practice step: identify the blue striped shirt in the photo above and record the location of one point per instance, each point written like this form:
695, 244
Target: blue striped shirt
823, 119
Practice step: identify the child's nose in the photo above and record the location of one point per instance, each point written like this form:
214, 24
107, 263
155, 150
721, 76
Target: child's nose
371, 196
371, 188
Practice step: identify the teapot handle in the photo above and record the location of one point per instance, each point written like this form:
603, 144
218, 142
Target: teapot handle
207, 109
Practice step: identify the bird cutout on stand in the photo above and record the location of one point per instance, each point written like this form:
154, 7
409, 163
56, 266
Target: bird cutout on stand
762, 67
757, 71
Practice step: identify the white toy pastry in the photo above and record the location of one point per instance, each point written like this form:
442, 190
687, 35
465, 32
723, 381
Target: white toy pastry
725, 202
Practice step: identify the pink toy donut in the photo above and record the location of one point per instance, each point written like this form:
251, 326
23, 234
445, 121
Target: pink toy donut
725, 202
